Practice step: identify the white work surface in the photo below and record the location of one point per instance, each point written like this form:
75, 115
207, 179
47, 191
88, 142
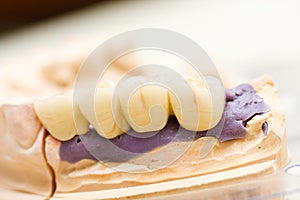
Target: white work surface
248, 38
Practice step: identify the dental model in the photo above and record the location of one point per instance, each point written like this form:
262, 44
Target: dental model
52, 147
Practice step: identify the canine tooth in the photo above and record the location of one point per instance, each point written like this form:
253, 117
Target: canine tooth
208, 99
145, 106
58, 113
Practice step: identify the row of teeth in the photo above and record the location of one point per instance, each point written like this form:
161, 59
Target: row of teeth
147, 109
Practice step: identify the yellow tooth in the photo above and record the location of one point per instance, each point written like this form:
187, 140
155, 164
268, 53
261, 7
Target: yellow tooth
58, 114
209, 111
109, 121
146, 108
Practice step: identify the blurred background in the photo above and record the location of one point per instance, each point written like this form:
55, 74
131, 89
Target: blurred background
17, 13
245, 38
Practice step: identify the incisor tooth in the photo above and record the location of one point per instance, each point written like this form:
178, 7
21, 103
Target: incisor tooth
58, 116
146, 108
209, 112
110, 121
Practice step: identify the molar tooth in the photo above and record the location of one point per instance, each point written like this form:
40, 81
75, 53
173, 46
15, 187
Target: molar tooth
110, 121
58, 116
136, 103
145, 105
209, 110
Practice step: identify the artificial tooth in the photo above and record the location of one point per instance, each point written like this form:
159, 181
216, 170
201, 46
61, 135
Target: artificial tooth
145, 106
135, 103
61, 118
201, 107
110, 121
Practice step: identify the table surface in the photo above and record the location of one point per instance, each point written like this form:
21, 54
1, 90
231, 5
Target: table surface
248, 38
